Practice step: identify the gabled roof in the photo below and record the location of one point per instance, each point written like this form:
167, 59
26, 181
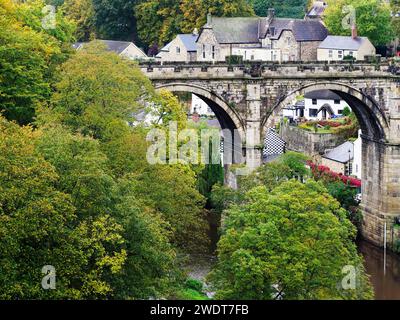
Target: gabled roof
322, 95
116, 46
342, 42
112, 45
341, 153
250, 30
189, 41
235, 30
303, 30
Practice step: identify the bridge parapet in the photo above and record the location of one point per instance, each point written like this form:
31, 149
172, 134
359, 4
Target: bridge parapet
269, 71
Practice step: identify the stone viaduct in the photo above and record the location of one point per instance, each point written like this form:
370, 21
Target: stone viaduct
249, 98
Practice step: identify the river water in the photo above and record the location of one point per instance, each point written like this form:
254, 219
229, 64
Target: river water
386, 283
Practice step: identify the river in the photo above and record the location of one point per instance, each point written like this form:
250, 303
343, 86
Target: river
386, 283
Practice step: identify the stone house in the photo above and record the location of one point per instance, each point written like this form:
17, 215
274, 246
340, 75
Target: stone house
122, 48
340, 159
335, 48
260, 38
183, 48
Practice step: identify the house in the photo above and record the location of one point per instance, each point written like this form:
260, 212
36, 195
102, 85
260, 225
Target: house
357, 163
340, 159
346, 158
323, 104
200, 107
317, 10
335, 48
260, 38
182, 48
295, 111
122, 48
316, 105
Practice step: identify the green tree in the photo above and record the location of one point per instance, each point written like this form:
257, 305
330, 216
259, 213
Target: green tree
373, 19
283, 9
115, 20
97, 87
95, 97
195, 11
82, 13
39, 226
28, 55
292, 242
160, 21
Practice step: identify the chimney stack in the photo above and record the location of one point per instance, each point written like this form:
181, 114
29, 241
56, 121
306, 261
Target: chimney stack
271, 13
354, 31
209, 18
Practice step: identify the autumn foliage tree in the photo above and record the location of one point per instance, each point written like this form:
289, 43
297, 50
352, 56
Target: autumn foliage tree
290, 243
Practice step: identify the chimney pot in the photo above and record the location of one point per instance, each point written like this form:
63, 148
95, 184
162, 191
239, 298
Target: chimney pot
271, 13
354, 31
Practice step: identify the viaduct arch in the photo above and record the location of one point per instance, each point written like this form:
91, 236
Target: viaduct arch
248, 98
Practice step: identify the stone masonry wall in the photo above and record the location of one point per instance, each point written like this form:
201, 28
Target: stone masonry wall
308, 142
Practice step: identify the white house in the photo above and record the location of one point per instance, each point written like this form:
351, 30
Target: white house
200, 107
182, 48
357, 160
317, 105
335, 48
323, 104
122, 48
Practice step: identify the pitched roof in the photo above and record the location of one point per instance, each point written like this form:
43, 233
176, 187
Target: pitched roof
322, 95
303, 30
235, 30
116, 46
189, 41
342, 42
341, 153
250, 30
112, 45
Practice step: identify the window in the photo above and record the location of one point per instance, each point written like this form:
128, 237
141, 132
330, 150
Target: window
340, 54
351, 53
340, 112
337, 101
178, 50
288, 40
204, 51
252, 57
213, 52
314, 101
313, 113
330, 53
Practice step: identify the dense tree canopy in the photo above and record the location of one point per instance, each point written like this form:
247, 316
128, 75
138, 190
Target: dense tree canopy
292, 242
373, 19
160, 21
284, 9
28, 56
